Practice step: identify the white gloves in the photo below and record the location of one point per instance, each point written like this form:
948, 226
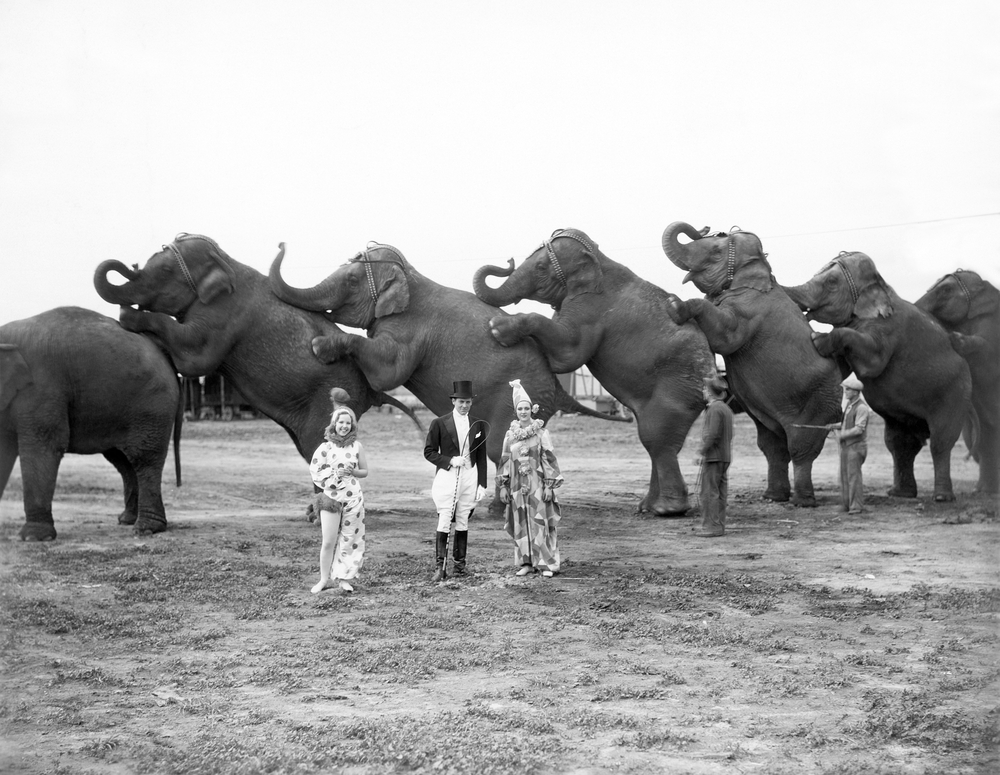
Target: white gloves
480, 493
458, 461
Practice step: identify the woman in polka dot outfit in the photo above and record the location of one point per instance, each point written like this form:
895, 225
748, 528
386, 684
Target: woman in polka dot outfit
336, 466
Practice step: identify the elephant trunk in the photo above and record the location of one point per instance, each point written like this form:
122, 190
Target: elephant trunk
679, 254
115, 294
497, 297
803, 295
319, 298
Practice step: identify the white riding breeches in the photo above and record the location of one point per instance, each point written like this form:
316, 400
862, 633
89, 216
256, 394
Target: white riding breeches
454, 492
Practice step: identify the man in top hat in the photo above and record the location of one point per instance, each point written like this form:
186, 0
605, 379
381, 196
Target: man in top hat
716, 454
853, 435
456, 445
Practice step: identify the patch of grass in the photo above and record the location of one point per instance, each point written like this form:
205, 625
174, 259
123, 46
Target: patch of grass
852, 603
618, 693
660, 740
634, 627
724, 635
917, 719
533, 723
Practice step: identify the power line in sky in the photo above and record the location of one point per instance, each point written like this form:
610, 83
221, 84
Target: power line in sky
503, 261
883, 226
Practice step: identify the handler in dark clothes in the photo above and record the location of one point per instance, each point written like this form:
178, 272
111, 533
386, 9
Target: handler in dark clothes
456, 445
715, 456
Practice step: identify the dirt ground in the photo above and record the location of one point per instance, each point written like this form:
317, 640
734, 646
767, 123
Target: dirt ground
805, 640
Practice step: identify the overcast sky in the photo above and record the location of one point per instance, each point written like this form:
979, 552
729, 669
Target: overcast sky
464, 133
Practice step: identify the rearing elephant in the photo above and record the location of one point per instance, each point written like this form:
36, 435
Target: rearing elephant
964, 303
212, 313
771, 364
425, 336
912, 376
617, 324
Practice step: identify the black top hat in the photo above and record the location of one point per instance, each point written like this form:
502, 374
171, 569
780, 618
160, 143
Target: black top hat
462, 389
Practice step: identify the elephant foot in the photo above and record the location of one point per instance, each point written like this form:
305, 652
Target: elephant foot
944, 497
804, 501
900, 492
38, 531
665, 507
127, 518
146, 525
778, 496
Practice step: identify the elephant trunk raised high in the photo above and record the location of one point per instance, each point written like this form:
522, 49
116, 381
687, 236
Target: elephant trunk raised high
111, 293
319, 298
508, 293
695, 256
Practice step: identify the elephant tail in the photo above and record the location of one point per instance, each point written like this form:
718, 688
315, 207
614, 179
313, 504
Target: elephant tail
564, 402
407, 410
178, 422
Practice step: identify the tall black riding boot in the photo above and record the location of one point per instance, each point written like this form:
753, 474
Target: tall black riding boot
440, 553
461, 544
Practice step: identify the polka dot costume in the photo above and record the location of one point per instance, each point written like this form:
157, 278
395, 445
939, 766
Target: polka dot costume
350, 551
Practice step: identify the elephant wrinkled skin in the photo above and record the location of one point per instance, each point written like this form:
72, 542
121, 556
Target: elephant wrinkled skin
425, 336
72, 381
912, 376
967, 305
617, 324
214, 314
771, 364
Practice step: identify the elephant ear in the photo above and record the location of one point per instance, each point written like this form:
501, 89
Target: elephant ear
14, 374
219, 279
875, 296
985, 298
587, 276
393, 290
752, 269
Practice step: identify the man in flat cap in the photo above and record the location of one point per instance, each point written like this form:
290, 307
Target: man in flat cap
714, 458
852, 433
456, 445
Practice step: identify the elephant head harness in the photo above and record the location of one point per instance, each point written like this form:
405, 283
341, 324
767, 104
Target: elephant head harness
847, 274
364, 257
552, 254
731, 253
963, 286
172, 247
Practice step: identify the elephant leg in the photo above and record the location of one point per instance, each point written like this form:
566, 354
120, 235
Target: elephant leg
989, 459
130, 485
149, 475
652, 492
667, 495
903, 445
775, 449
804, 446
39, 471
802, 477
942, 441
8, 456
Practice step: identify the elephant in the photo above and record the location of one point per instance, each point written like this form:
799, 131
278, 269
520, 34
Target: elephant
72, 380
425, 336
214, 314
969, 306
616, 323
912, 376
771, 365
